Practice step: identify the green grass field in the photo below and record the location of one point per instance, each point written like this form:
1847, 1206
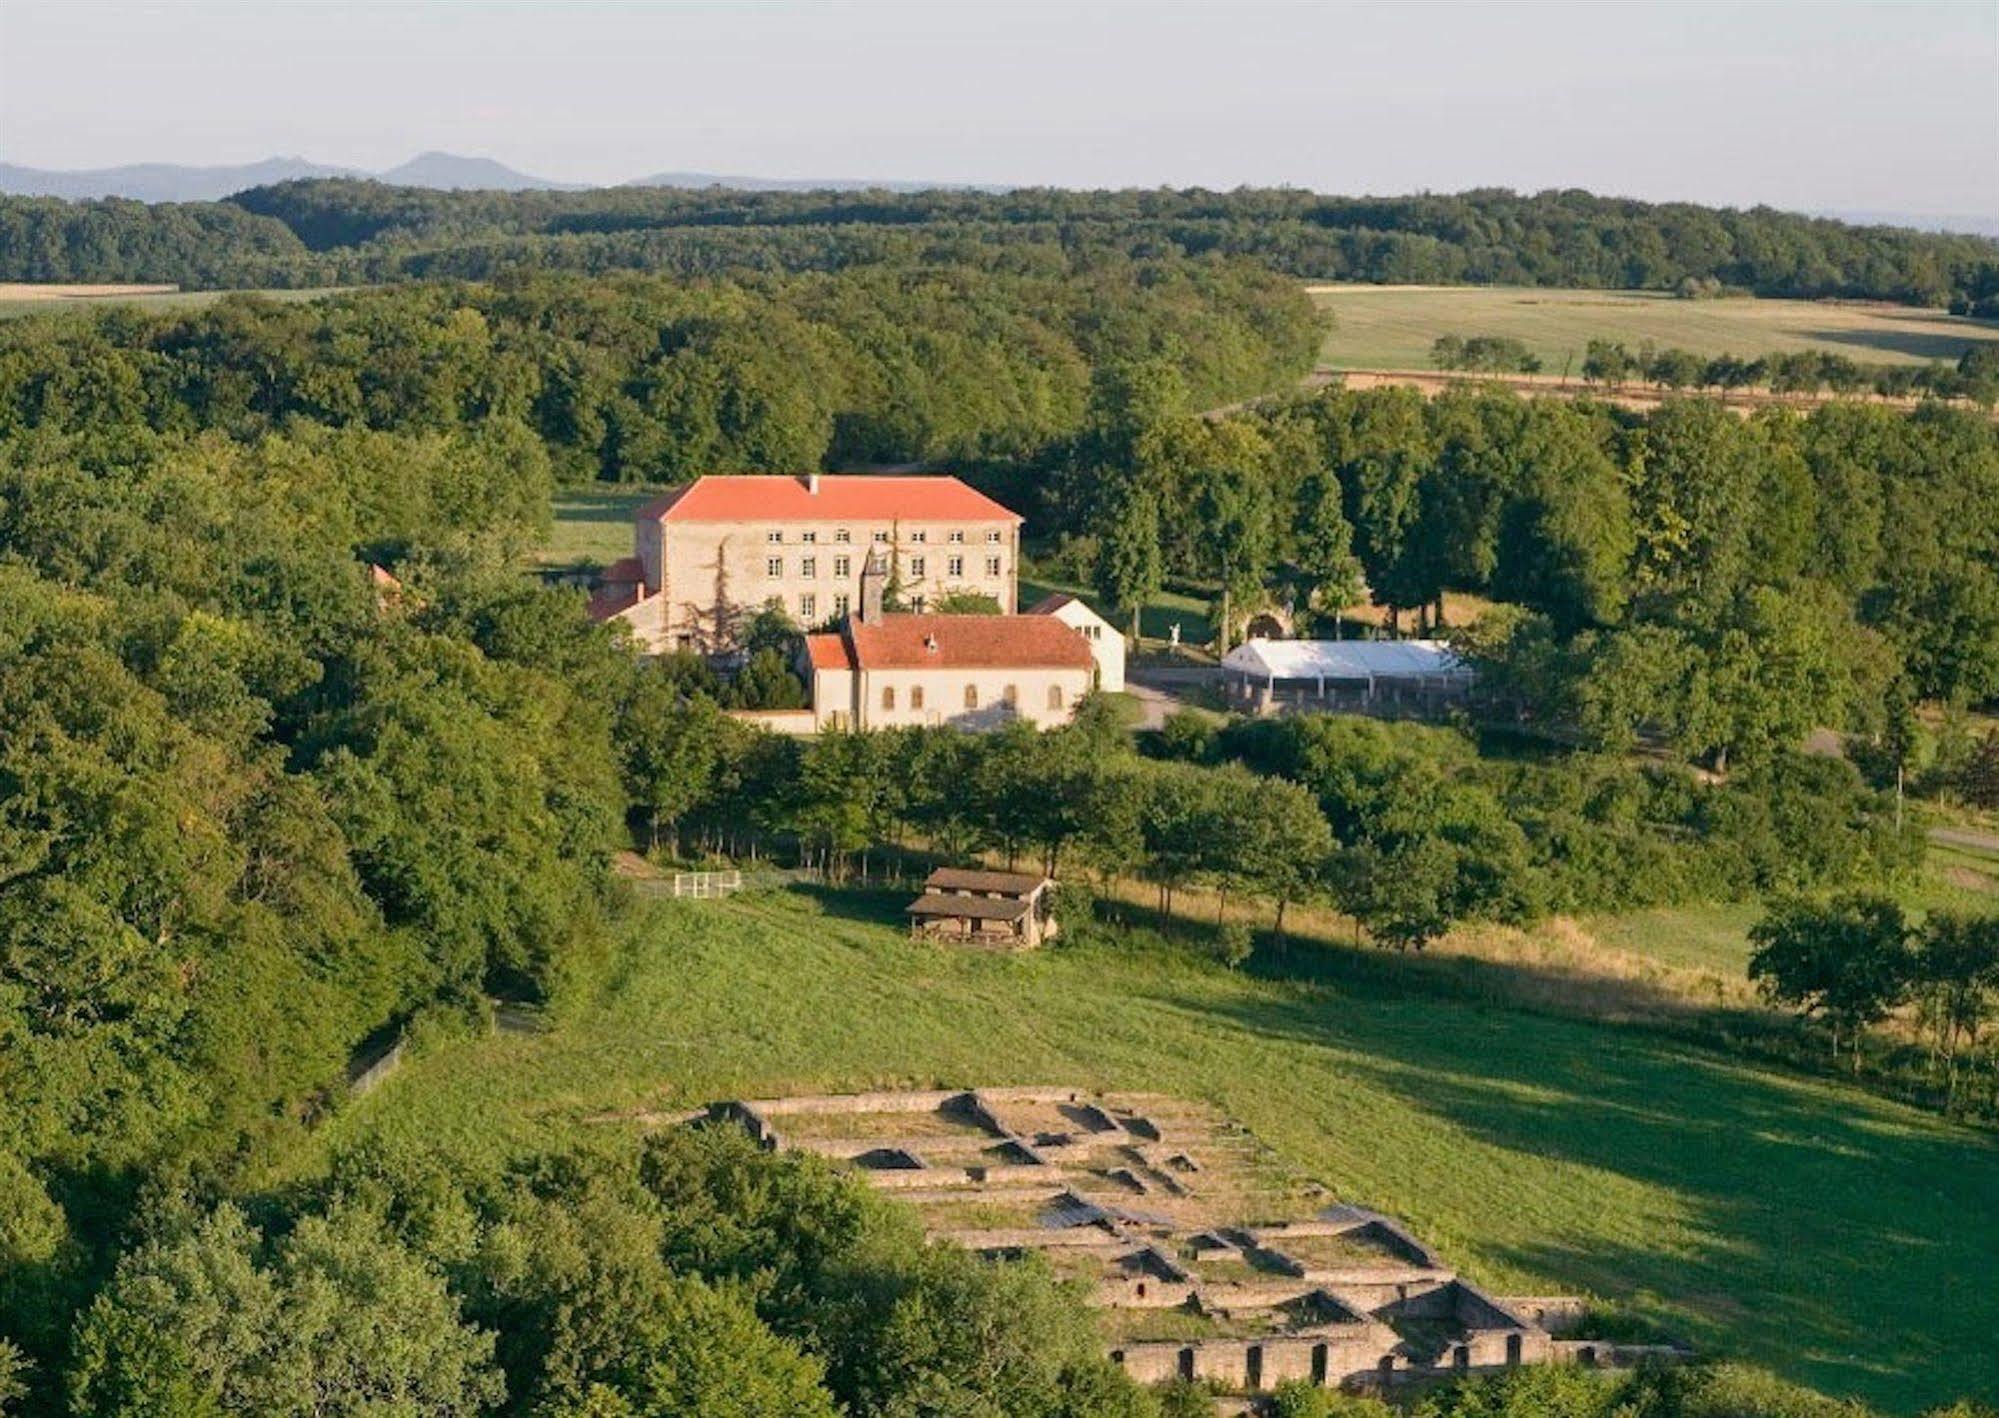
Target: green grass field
592, 524
13, 304
1838, 1238
1392, 327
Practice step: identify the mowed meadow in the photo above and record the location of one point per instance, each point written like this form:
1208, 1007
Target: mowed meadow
1393, 327
1842, 1240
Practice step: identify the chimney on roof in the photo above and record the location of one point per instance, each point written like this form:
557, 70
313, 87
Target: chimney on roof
812, 484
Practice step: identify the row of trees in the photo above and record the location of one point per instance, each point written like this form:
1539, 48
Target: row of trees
333, 232
1484, 354
1407, 828
1848, 962
645, 379
1975, 375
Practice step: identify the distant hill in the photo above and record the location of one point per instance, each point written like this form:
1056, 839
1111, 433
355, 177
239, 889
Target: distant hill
737, 183
159, 181
173, 182
451, 173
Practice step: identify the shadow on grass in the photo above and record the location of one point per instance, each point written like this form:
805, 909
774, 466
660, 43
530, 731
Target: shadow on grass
1847, 1240
1945, 345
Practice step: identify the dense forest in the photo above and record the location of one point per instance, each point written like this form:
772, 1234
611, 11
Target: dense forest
345, 232
643, 378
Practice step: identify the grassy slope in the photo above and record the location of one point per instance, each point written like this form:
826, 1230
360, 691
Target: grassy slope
1843, 1240
1391, 327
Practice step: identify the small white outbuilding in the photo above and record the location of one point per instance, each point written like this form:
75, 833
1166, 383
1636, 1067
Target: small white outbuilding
1106, 642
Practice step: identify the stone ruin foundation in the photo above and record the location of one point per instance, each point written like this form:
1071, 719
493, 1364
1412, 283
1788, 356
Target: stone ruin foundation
1205, 1257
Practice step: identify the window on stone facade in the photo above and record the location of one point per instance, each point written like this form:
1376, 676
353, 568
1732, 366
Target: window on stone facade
916, 566
1011, 694
1054, 696
916, 696
881, 537
808, 607
808, 566
808, 537
919, 536
888, 696
773, 536
958, 538
774, 566
840, 607
971, 696
992, 566
992, 539
917, 603
840, 565
955, 566
840, 535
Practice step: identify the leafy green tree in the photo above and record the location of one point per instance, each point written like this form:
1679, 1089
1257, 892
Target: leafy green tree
1129, 567
337, 1318
1846, 961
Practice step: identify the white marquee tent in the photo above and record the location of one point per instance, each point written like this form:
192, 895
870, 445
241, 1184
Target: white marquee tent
1343, 665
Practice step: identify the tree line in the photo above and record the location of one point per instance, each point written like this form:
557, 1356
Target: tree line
1687, 576
641, 378
1846, 963
340, 231
1974, 377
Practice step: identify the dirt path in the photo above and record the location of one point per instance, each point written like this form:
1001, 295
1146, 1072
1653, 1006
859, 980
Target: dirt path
1967, 837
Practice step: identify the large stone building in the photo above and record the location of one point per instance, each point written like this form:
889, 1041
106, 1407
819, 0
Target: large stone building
711, 554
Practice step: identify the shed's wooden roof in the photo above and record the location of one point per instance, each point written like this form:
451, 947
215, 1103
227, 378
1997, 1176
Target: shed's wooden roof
972, 908
1007, 883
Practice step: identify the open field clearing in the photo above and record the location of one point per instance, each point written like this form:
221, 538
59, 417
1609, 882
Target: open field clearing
1392, 327
21, 298
1841, 1239
592, 525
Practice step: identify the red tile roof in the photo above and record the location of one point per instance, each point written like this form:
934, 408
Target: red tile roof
841, 497
903, 642
828, 652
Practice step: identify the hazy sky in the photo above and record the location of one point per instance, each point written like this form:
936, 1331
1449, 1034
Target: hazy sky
1817, 105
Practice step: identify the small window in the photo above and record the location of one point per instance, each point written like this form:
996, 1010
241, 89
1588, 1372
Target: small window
808, 607
774, 566
955, 566
808, 537
881, 537
916, 566
916, 696
840, 535
808, 566
992, 566
839, 607
971, 696
1054, 696
773, 537
917, 604
841, 565
992, 539
919, 536
888, 696
957, 538
1011, 694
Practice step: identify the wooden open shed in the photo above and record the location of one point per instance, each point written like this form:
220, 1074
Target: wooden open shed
983, 908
